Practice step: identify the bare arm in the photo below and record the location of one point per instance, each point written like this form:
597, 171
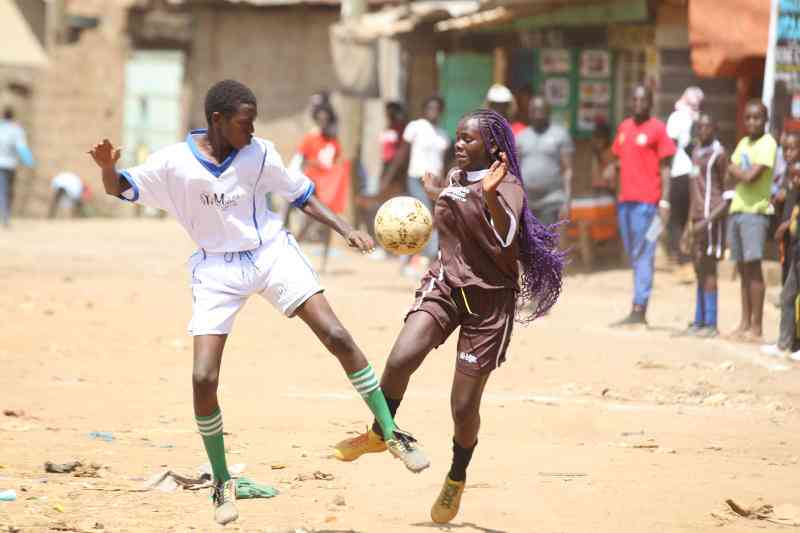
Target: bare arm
666, 167
320, 212
745, 176
399, 161
720, 210
106, 157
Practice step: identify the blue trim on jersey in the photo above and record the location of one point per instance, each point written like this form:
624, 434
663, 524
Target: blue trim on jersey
124, 174
302, 200
215, 169
255, 189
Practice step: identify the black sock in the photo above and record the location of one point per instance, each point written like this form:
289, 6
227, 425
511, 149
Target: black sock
393, 405
461, 459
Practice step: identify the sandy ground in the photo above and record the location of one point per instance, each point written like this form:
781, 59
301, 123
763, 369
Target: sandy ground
586, 429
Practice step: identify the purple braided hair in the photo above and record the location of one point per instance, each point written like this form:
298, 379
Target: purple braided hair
542, 261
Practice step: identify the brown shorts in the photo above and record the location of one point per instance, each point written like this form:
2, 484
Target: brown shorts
486, 317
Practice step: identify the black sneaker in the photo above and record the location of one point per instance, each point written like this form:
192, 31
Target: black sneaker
633, 319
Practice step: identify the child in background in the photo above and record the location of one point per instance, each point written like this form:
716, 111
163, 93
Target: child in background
789, 153
748, 222
788, 345
706, 228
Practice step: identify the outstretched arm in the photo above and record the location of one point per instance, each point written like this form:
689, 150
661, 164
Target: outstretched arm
106, 157
319, 212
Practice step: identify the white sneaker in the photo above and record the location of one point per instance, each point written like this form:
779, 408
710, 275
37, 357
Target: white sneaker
795, 356
772, 350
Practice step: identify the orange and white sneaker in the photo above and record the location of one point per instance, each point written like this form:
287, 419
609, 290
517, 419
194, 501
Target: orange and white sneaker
445, 508
353, 448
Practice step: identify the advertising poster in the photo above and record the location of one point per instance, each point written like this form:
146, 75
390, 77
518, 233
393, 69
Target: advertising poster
555, 61
557, 91
595, 64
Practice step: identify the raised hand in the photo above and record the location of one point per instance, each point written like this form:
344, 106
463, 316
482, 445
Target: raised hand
362, 241
105, 155
499, 170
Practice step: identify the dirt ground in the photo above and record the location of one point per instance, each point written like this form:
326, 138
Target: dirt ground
585, 429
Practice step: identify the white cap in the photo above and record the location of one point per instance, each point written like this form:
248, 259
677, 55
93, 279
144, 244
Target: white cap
499, 94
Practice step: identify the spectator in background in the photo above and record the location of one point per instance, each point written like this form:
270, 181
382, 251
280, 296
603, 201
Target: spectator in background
369, 198
500, 99
317, 158
13, 150
788, 344
319, 150
679, 128
423, 148
704, 235
643, 149
545, 156
604, 165
751, 170
391, 138
788, 154
524, 94
69, 192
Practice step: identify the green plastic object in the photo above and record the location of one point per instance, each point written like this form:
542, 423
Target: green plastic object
247, 489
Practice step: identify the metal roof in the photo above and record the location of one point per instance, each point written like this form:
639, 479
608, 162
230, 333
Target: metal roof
401, 19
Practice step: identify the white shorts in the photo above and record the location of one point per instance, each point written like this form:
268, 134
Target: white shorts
221, 283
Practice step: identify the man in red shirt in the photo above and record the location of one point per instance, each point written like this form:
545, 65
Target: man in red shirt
644, 151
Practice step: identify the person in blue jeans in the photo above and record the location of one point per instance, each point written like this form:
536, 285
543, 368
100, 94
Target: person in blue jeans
644, 152
13, 151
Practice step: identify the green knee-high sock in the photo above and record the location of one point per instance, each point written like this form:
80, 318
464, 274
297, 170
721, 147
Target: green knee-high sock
211, 430
367, 386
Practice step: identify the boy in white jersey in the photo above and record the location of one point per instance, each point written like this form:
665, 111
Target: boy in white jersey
216, 185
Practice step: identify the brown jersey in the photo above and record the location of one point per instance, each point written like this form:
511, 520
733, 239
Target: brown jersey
471, 252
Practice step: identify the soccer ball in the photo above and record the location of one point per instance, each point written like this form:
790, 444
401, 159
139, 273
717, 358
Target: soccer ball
403, 225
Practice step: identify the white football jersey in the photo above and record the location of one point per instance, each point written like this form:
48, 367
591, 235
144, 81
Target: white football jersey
223, 207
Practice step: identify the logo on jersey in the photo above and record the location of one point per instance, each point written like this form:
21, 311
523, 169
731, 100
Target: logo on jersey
220, 201
456, 193
641, 139
468, 357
